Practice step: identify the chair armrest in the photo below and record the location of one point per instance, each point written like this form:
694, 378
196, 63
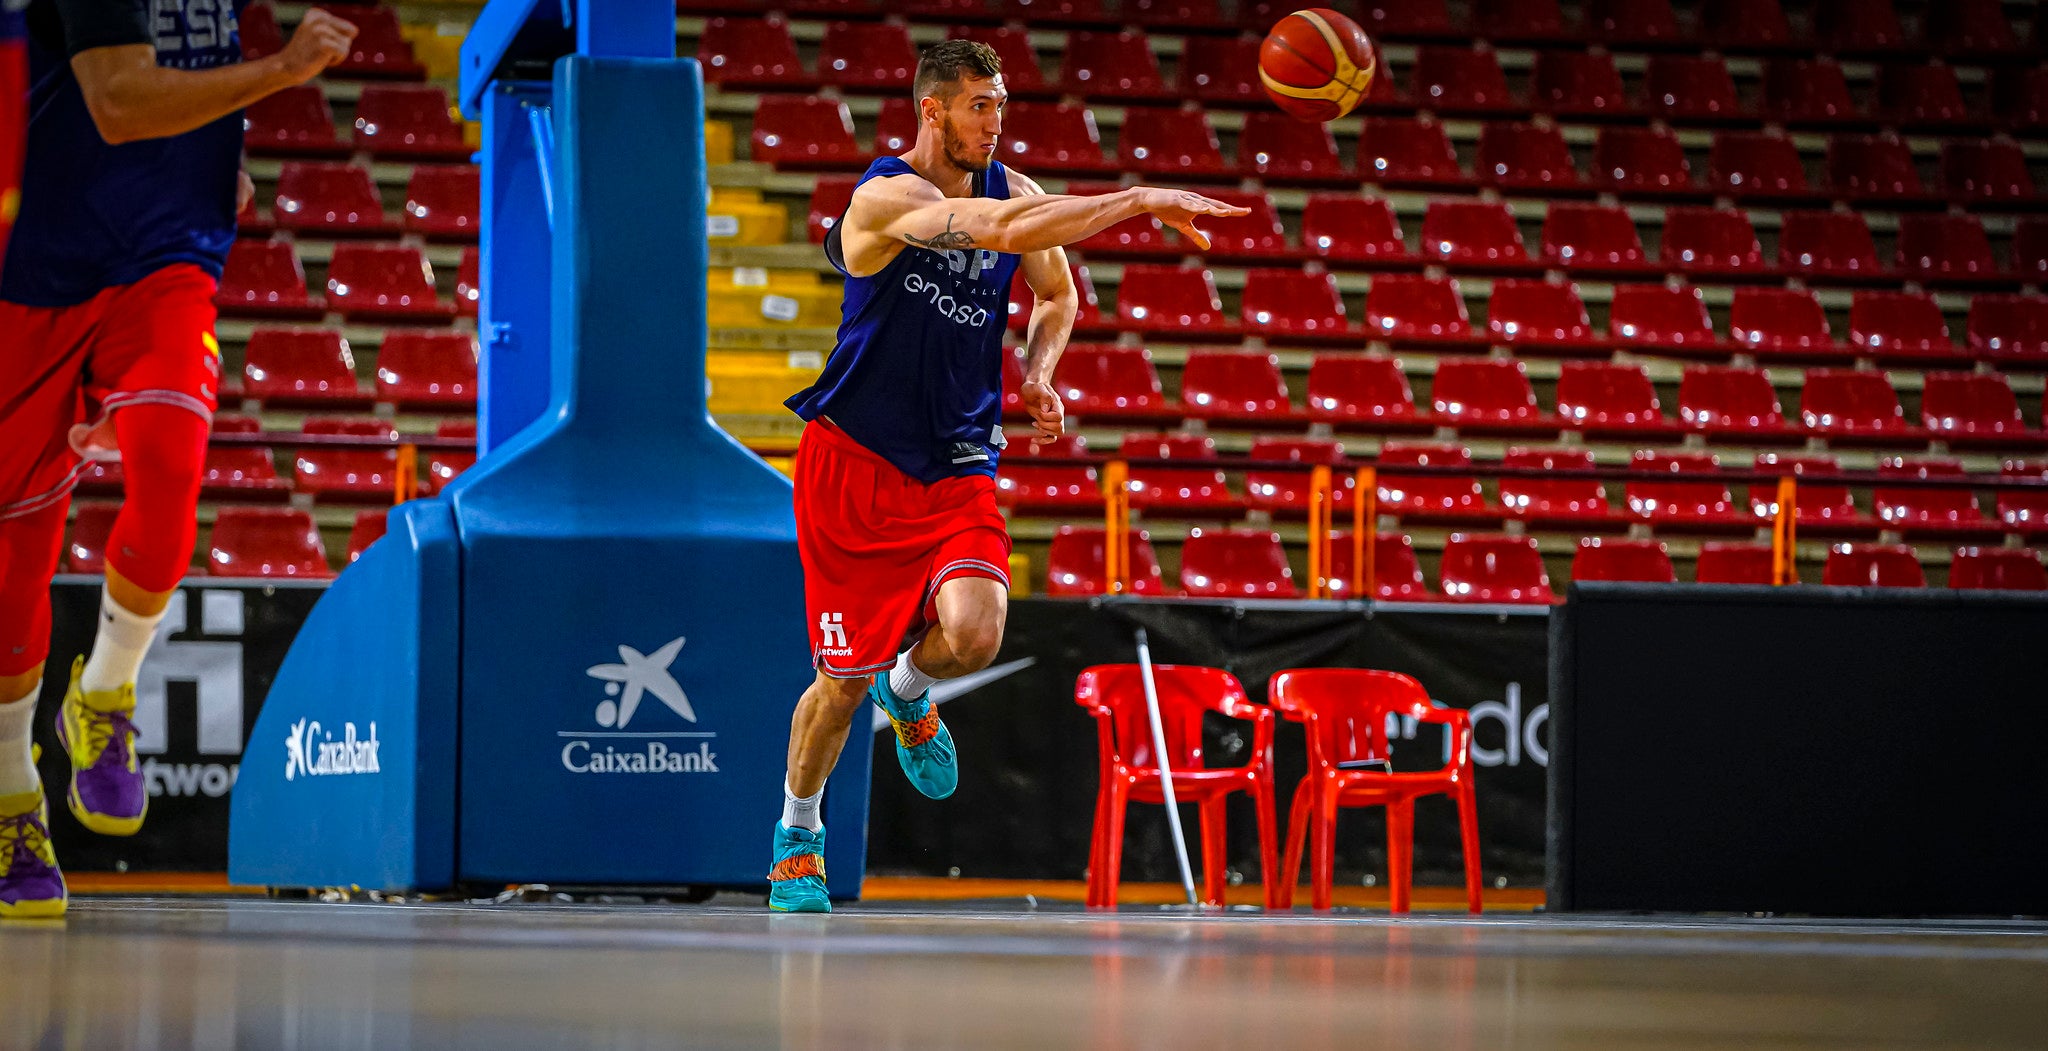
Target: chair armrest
1458, 724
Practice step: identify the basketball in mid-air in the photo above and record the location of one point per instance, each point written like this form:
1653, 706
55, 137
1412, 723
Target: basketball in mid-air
1317, 64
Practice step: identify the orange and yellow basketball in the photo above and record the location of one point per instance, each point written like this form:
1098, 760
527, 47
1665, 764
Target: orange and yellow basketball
1317, 64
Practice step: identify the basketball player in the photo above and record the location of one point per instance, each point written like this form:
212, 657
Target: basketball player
128, 203
895, 474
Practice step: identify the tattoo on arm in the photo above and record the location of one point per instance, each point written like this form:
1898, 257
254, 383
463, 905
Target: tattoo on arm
950, 240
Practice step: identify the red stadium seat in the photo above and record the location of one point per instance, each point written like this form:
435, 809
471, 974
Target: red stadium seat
1691, 88
306, 366
1532, 21
1660, 316
1526, 157
1359, 389
409, 121
1477, 234
266, 542
1985, 171
1450, 79
1160, 298
1945, 248
1076, 563
1570, 501
1577, 83
1433, 496
1637, 22
2009, 328
1278, 148
1635, 561
1857, 25
1815, 504
1088, 319
1702, 501
2025, 510
1757, 166
260, 33
384, 281
380, 49
1347, 228
1872, 566
1828, 245
427, 369
444, 202
1174, 141
1140, 235
1258, 236
264, 279
1738, 400
1964, 404
803, 131
1608, 396
1899, 324
1407, 152
1721, 562
369, 528
1592, 238
468, 282
1415, 308
2030, 250
1110, 382
1177, 490
1920, 94
1405, 18
1052, 137
1746, 25
1711, 241
895, 126
1231, 385
1479, 568
1780, 321
1021, 73
1873, 168
1972, 27
1223, 70
1532, 312
444, 465
1635, 160
830, 197
2024, 100
1291, 490
346, 473
1059, 489
867, 56
328, 199
1486, 392
1806, 91
1111, 65
293, 122
1054, 11
1850, 402
1397, 573
1294, 303
237, 471
1997, 569
750, 53
91, 524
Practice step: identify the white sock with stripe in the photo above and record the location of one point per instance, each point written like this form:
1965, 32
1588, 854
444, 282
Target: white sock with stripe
906, 681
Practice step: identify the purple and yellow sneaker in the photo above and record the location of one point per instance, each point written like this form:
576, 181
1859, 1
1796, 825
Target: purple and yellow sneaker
107, 793
31, 887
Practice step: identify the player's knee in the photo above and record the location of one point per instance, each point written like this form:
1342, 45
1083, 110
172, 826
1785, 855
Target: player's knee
975, 640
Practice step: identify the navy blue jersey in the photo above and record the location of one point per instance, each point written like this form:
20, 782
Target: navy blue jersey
917, 375
94, 216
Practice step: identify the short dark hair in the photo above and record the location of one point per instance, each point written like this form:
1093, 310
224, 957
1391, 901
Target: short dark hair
948, 62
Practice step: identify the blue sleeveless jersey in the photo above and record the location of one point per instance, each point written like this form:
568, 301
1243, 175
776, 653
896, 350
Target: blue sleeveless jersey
917, 375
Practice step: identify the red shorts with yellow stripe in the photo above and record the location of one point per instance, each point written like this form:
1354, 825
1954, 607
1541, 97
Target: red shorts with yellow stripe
877, 543
66, 369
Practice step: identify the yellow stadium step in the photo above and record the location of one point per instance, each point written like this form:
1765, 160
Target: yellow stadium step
717, 142
748, 296
437, 47
740, 217
755, 383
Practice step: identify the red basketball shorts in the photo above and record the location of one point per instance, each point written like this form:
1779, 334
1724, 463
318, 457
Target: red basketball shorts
876, 544
67, 369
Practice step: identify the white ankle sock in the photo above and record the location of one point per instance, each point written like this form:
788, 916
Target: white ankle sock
17, 763
803, 812
906, 681
118, 648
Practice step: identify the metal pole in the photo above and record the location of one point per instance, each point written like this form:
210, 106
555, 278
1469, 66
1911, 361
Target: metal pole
1180, 843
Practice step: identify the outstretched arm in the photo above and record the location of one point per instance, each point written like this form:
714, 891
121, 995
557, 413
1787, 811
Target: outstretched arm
1052, 321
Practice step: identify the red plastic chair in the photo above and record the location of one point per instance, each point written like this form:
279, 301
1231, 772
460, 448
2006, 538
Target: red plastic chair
368, 528
2024, 510
325, 472
1972, 27
1407, 152
1276, 147
1577, 83
1171, 14
1111, 65
2024, 100
805, 132
1721, 562
427, 369
1397, 573
384, 281
1969, 404
469, 282
1985, 172
1608, 396
2009, 328
1780, 321
1632, 561
2030, 250
1920, 94
1346, 228
408, 121
1294, 303
1416, 308
1519, 21
328, 199
1484, 568
1711, 242
264, 279
1640, 161
1057, 489
91, 525
867, 56
1701, 501
1257, 237
1222, 70
1235, 563
260, 33
1738, 400
300, 366
1096, 380
1177, 490
1756, 166
1872, 566
1873, 168
1140, 235
1486, 392
1405, 18
235, 471
1525, 158
1633, 22
1945, 248
1450, 79
1234, 386
750, 53
1660, 316
1850, 402
1289, 491
444, 202
266, 542
1568, 501
1359, 389
1479, 235
1346, 712
1088, 318
1928, 510
1076, 563
1174, 141
1163, 298
444, 465
1828, 246
1069, 12
380, 49
1592, 238
1433, 496
1749, 25
1129, 769
1691, 88
1997, 569
292, 122
1806, 92
1817, 504
1535, 313
1857, 25
1899, 324
1053, 138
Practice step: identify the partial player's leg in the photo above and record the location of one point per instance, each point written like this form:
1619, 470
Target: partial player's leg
31, 887
967, 629
817, 734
